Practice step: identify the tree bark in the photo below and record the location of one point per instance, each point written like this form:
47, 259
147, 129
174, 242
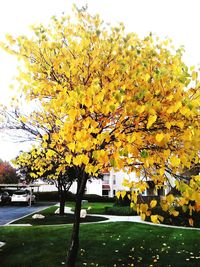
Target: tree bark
62, 202
74, 243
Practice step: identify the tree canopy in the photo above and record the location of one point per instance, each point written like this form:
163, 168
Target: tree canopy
8, 174
116, 100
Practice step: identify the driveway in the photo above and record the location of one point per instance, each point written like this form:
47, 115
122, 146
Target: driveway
10, 213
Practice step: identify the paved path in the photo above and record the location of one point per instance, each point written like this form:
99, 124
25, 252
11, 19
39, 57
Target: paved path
114, 218
10, 213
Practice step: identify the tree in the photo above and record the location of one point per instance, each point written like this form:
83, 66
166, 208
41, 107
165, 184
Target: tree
120, 102
8, 174
28, 167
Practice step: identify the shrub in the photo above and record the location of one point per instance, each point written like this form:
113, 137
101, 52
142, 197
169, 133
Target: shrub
53, 196
181, 220
120, 211
123, 201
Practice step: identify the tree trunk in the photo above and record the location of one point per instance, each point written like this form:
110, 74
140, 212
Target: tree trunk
74, 243
62, 202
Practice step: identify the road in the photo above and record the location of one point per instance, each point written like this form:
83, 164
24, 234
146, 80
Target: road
9, 213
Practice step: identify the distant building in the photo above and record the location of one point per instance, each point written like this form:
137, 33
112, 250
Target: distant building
110, 183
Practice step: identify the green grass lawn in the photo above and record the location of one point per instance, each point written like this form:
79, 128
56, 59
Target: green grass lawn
106, 208
92, 207
96, 207
103, 245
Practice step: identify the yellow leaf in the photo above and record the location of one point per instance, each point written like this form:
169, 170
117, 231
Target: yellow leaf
123, 193
170, 198
23, 119
166, 153
151, 120
71, 146
161, 218
143, 216
168, 125
44, 144
68, 159
175, 161
141, 109
194, 75
175, 213
118, 194
147, 77
159, 137
164, 206
154, 219
153, 203
184, 110
45, 137
170, 97
191, 222
161, 171
143, 208
180, 124
77, 161
132, 138
85, 159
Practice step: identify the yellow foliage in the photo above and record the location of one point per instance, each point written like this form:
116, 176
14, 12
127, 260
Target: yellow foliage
143, 208
175, 161
151, 120
154, 219
71, 146
123, 193
191, 222
175, 213
159, 137
170, 198
153, 203
143, 216
68, 158
106, 104
118, 194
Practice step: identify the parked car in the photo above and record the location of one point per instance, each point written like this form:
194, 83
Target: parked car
5, 198
23, 196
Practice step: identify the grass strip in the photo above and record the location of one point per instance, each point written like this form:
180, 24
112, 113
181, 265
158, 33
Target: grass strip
103, 245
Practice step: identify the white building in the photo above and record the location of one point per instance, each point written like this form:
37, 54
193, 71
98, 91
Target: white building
109, 185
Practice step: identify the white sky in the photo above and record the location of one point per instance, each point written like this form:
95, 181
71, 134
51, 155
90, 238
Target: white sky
177, 19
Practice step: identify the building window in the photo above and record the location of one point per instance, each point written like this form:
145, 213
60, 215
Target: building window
161, 191
105, 193
106, 179
114, 179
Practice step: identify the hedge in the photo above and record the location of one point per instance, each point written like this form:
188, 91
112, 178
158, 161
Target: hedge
53, 196
120, 211
181, 220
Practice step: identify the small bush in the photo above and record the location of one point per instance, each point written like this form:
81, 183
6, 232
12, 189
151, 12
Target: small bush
120, 211
123, 201
53, 196
181, 220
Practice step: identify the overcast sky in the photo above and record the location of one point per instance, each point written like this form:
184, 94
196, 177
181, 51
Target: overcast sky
177, 19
